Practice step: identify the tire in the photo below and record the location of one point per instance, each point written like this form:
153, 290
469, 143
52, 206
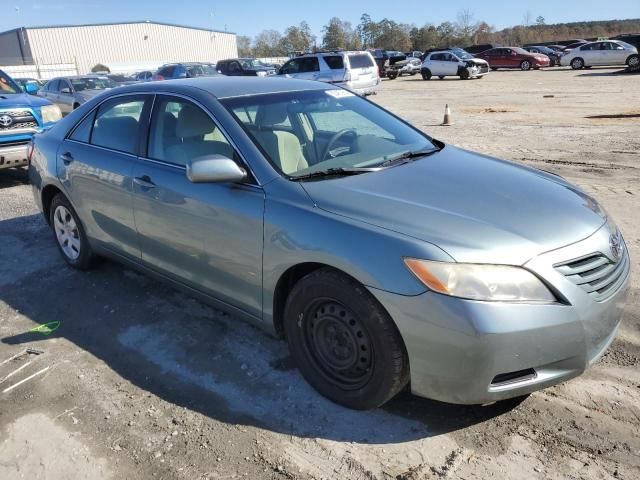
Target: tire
69, 234
633, 61
577, 63
464, 74
392, 75
525, 65
343, 341
426, 74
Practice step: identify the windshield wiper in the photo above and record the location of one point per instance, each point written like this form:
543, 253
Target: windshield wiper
405, 157
335, 172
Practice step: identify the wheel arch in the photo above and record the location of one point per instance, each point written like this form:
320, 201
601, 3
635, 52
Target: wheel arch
287, 281
48, 192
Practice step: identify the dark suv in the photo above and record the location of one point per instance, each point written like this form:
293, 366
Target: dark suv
244, 67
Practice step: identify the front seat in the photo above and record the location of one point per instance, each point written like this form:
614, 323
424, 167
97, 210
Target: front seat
192, 126
282, 146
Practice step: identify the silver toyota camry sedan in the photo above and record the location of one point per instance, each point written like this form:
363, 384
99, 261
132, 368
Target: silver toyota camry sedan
384, 257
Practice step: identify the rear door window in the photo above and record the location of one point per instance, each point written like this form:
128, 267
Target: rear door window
335, 62
360, 61
309, 64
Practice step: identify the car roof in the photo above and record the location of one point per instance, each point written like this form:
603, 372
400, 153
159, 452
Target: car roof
227, 87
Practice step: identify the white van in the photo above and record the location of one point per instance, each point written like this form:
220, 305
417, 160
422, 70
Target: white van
356, 71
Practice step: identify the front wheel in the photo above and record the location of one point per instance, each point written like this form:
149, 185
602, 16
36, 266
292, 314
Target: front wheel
343, 341
392, 75
633, 61
426, 74
69, 234
525, 65
577, 63
464, 74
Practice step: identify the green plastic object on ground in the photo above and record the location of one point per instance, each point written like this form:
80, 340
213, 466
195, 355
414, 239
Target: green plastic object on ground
46, 328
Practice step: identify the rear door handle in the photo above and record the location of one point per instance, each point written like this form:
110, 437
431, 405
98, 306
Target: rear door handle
144, 181
66, 158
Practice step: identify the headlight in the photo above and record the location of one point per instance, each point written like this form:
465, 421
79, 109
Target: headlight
50, 113
500, 283
261, 74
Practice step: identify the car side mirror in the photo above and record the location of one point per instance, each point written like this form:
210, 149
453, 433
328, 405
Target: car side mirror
31, 88
214, 169
66, 91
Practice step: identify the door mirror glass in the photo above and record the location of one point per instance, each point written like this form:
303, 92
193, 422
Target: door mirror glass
214, 169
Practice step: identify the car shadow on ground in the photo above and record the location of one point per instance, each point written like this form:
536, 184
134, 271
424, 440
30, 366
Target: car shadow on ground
12, 177
189, 354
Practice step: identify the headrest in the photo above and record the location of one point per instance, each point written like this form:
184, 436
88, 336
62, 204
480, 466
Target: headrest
193, 122
270, 115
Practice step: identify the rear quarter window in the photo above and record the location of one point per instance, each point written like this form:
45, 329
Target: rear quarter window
360, 61
335, 62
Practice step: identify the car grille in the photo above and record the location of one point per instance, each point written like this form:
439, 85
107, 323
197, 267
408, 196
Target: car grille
596, 274
484, 68
21, 119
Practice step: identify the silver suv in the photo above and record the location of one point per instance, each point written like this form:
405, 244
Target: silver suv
356, 71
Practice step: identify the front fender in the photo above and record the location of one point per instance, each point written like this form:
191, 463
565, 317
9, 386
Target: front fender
296, 232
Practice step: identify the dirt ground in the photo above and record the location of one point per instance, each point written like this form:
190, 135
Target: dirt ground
144, 382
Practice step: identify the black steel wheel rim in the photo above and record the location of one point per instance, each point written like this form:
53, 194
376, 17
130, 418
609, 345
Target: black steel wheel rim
338, 344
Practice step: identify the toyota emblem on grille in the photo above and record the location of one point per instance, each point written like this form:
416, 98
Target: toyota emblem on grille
5, 120
615, 244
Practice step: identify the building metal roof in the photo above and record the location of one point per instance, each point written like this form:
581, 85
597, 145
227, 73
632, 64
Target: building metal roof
39, 27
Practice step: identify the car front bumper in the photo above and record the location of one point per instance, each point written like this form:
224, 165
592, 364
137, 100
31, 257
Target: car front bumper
472, 352
14, 154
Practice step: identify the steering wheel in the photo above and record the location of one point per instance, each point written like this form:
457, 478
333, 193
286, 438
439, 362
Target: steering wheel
334, 139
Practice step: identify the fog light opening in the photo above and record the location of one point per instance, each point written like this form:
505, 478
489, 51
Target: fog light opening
514, 377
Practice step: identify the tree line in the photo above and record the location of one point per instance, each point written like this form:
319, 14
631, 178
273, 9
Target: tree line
391, 35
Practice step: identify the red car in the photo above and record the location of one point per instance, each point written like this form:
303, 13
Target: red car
514, 57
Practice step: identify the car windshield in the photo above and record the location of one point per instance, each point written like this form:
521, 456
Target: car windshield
92, 83
306, 132
209, 69
544, 49
624, 44
7, 85
252, 63
519, 50
462, 54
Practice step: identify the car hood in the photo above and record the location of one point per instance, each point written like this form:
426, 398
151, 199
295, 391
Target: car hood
476, 208
21, 100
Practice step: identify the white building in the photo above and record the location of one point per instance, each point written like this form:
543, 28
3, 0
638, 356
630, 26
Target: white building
123, 47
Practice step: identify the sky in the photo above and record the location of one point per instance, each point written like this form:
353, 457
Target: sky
249, 17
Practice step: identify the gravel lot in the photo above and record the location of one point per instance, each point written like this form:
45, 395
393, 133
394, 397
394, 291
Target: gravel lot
144, 382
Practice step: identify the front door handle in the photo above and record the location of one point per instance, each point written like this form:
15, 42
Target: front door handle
66, 158
144, 181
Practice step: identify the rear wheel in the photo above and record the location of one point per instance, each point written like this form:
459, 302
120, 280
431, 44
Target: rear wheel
633, 61
343, 341
525, 65
69, 234
426, 74
577, 63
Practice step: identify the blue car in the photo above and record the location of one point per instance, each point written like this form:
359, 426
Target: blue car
21, 116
